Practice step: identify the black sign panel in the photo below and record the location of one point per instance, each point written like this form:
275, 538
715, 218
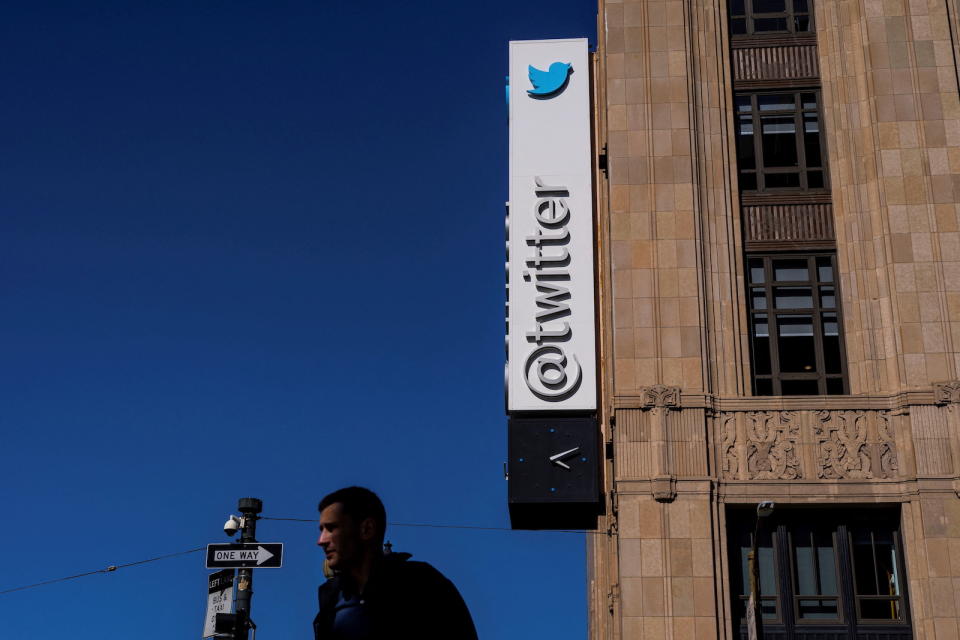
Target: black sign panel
553, 472
220, 581
246, 555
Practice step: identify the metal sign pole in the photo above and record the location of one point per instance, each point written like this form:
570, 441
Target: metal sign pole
754, 610
249, 507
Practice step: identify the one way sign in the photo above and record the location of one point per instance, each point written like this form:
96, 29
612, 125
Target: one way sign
245, 555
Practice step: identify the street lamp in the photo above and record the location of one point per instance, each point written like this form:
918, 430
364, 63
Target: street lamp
754, 606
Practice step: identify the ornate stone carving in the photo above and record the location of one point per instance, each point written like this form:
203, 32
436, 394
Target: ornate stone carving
887, 446
947, 392
661, 396
664, 488
837, 444
729, 454
772, 445
613, 597
842, 445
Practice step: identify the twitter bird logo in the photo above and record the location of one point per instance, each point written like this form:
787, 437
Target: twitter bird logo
550, 82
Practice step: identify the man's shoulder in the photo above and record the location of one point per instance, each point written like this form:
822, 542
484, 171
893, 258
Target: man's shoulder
413, 572
427, 594
403, 562
400, 563
394, 572
329, 591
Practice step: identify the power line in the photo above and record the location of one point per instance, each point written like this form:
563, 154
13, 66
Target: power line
114, 567
452, 526
109, 569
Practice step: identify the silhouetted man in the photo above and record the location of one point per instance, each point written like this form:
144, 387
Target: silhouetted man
372, 594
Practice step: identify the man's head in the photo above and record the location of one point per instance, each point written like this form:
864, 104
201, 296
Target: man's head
352, 525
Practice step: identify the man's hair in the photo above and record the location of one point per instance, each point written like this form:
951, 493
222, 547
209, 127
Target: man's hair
359, 503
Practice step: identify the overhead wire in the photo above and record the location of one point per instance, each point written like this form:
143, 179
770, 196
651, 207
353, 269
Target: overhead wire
450, 526
115, 567
109, 569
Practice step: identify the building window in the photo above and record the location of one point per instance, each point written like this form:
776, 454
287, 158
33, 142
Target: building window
795, 323
877, 575
769, 600
824, 573
779, 141
814, 556
752, 17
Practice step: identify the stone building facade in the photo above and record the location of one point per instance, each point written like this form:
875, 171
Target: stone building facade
779, 289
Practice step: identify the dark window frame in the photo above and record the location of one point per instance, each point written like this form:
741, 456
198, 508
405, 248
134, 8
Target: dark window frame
798, 597
840, 522
778, 615
745, 24
818, 311
754, 180
859, 598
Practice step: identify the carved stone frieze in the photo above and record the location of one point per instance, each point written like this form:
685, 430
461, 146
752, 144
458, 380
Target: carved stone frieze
659, 396
729, 451
947, 392
837, 444
887, 445
842, 445
772, 445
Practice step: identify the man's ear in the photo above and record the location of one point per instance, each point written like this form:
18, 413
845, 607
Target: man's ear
368, 529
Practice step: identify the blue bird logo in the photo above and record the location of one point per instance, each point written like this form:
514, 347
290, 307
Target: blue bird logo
550, 82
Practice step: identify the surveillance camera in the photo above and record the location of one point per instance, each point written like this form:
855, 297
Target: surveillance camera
765, 508
231, 526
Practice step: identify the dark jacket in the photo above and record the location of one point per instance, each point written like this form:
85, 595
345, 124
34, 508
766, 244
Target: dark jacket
404, 599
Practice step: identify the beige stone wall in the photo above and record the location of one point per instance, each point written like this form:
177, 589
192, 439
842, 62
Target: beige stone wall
669, 271
931, 519
932, 531
893, 125
671, 229
675, 373
667, 568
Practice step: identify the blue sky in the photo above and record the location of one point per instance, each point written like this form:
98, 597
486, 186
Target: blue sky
254, 248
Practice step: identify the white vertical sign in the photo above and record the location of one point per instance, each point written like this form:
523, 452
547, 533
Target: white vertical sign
550, 317
219, 599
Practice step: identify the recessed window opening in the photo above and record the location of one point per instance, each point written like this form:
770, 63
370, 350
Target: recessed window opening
825, 573
768, 575
877, 575
779, 144
796, 344
816, 595
755, 17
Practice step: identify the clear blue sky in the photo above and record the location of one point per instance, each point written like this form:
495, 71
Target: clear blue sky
256, 248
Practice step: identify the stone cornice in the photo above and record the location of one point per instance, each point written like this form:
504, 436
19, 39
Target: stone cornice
674, 398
